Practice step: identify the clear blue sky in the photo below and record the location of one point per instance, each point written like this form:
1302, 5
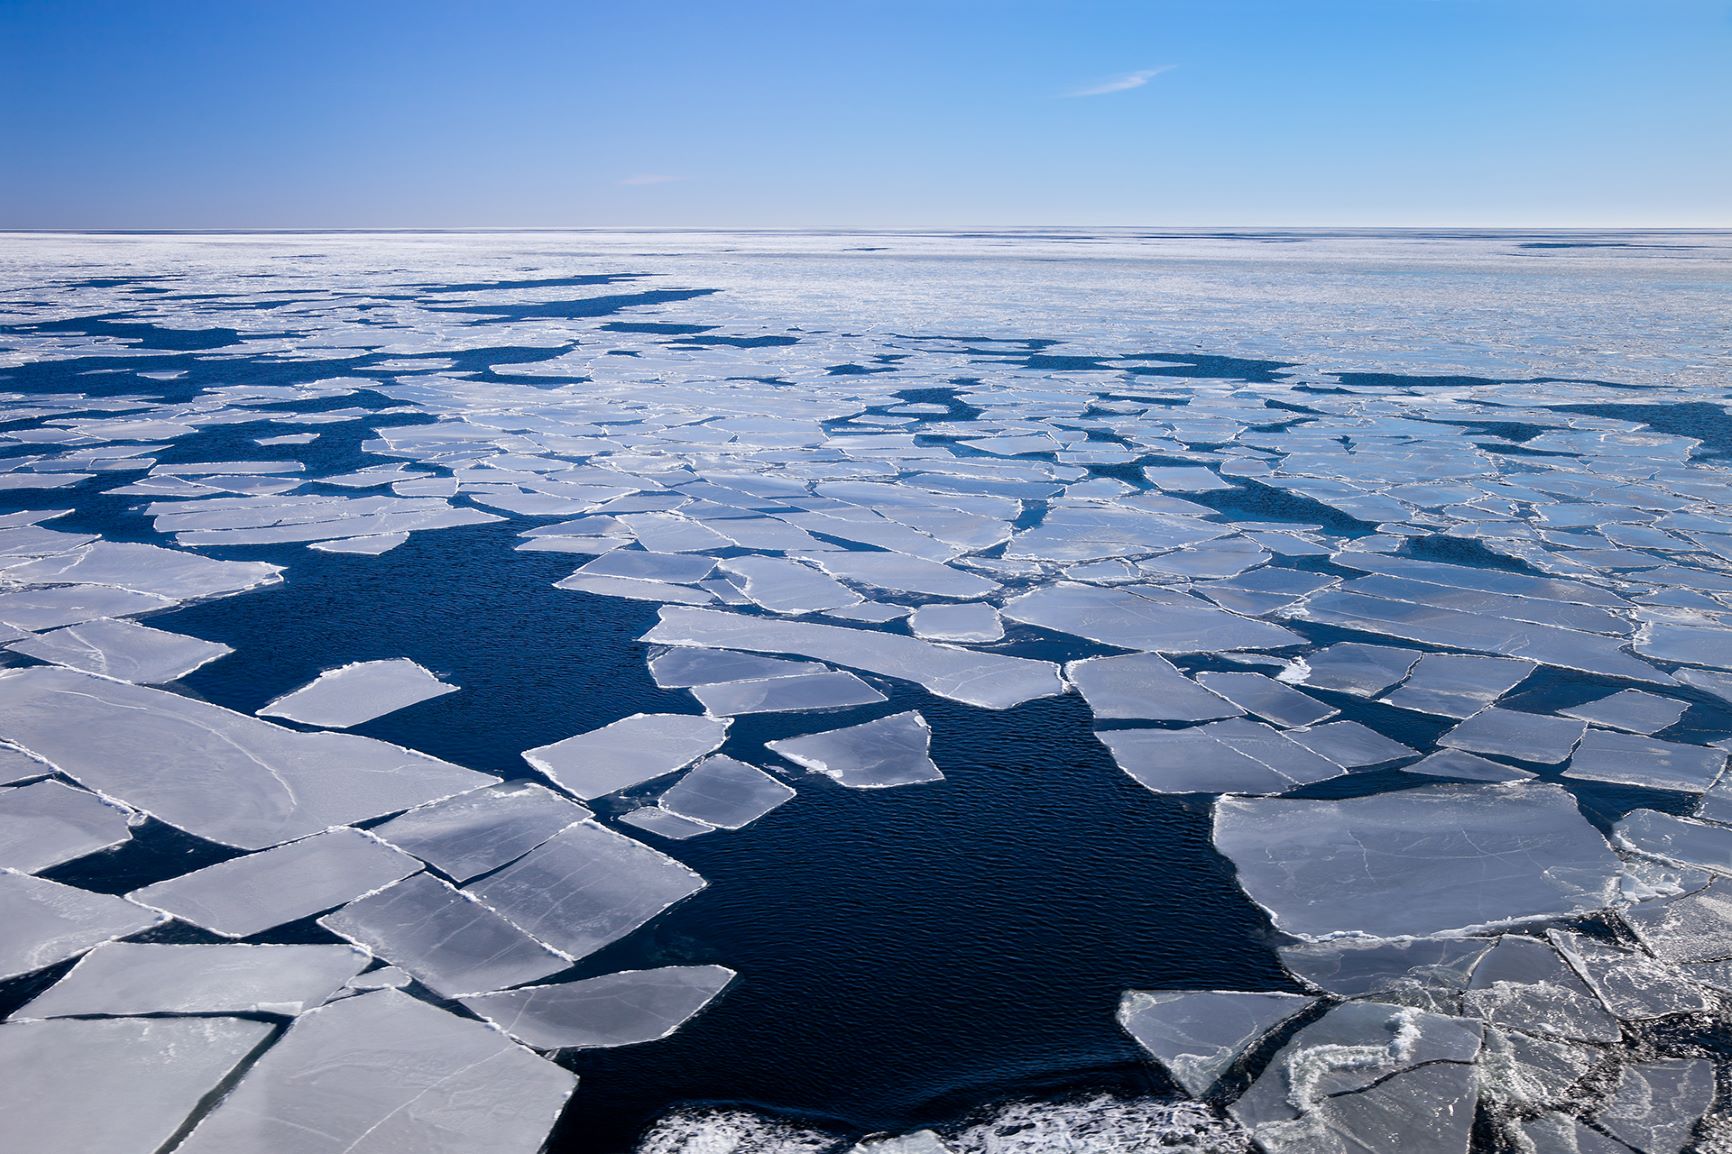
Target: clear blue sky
373, 113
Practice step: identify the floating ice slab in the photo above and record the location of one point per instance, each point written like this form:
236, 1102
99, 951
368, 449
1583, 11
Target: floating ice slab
1144, 617
621, 1009
684, 668
1646, 761
47, 922
1267, 698
673, 568
722, 792
1458, 684
1392, 865
364, 546
1687, 930
1630, 984
123, 978
1356, 668
828, 689
890, 751
1197, 1034
1191, 761
352, 694
47, 823
171, 573
627, 752
1145, 687
221, 775
1687, 644
967, 623
989, 680
16, 765
1350, 744
664, 823
784, 586
902, 573
1459, 763
1675, 839
467, 835
381, 1073
1656, 1105
449, 941
246, 895
123, 649
1522, 983
1510, 733
50, 608
118, 1087
586, 887
1631, 710
1356, 967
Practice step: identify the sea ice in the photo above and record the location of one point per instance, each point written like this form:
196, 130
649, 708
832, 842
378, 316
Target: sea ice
1146, 618
1144, 687
47, 922
1634, 760
725, 793
1353, 667
122, 649
1656, 1105
621, 1009
971, 622
349, 695
825, 689
1267, 698
1510, 733
467, 835
126, 978
1458, 684
47, 823
1197, 1034
627, 752
1631, 710
890, 751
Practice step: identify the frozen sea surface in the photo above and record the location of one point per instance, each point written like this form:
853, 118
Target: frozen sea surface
971, 693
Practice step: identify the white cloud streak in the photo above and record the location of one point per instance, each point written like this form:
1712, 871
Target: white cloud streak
1123, 83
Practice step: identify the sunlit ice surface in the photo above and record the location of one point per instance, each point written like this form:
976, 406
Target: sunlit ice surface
889, 692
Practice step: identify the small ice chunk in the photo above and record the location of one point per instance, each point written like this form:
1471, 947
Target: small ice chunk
1656, 1105
887, 752
1144, 687
1510, 733
725, 793
115, 1087
627, 752
621, 1009
1687, 930
1351, 744
654, 819
449, 941
365, 546
1398, 864
586, 887
124, 978
122, 649
826, 689
1634, 760
1632, 710
358, 692
1458, 684
1676, 839
973, 621
47, 922
1197, 1034
381, 978
1631, 985
1522, 984
247, 895
1466, 766
382, 1072
47, 823
684, 668
467, 835
1267, 698
1356, 668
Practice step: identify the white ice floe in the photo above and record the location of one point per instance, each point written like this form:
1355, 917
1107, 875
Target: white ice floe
890, 751
46, 823
1197, 1034
1145, 687
973, 622
1631, 759
621, 1009
123, 649
467, 835
627, 752
826, 689
47, 922
358, 692
1145, 617
1511, 733
725, 793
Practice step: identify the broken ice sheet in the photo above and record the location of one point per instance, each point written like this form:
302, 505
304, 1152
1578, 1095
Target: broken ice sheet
382, 1072
621, 1009
879, 754
366, 546
971, 622
902, 573
664, 823
1458, 763
246, 895
220, 775
47, 922
1197, 1034
1676, 839
1531, 737
449, 941
1523, 984
1355, 967
827, 689
1458, 684
1634, 760
1630, 984
684, 668
119, 1087
47, 823
1350, 744
122, 649
785, 586
1392, 865
586, 887
1631, 710
349, 695
467, 835
50, 608
1267, 698
1656, 1105
1144, 687
125, 978
1146, 618
1193, 761
725, 793
1353, 667
172, 573
627, 752
1687, 930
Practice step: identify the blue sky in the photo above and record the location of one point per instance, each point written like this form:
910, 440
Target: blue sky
827, 113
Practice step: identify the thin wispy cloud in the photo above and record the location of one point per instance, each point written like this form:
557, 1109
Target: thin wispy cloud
1123, 83
647, 178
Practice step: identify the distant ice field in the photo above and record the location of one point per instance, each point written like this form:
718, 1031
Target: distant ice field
866, 693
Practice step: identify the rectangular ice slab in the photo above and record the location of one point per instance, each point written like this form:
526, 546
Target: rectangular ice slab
725, 793
449, 941
221, 775
586, 887
47, 922
1510, 733
989, 680
613, 1010
382, 1073
1145, 687
1634, 760
116, 1087
1197, 1034
47, 823
339, 698
627, 752
887, 752
1432, 860
1145, 617
827, 689
467, 835
122, 649
246, 895
123, 978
